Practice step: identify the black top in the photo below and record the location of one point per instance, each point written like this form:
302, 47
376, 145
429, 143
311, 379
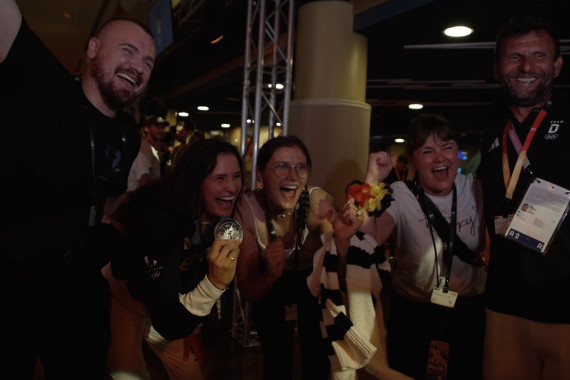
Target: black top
521, 281
49, 181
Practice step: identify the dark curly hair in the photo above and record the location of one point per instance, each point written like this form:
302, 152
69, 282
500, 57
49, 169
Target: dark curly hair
162, 213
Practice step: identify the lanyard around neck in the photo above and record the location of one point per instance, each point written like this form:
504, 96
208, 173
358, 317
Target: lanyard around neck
448, 246
511, 181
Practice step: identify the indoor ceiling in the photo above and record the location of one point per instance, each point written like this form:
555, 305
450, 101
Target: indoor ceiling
409, 58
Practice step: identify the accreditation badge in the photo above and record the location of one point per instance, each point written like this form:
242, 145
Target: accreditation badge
443, 297
539, 215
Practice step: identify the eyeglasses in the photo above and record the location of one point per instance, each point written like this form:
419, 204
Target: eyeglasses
283, 169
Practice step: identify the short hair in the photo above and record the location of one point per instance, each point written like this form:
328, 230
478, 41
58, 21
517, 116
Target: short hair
521, 26
144, 27
423, 126
266, 152
402, 158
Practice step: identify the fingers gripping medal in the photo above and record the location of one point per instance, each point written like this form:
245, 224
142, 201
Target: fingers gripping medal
229, 229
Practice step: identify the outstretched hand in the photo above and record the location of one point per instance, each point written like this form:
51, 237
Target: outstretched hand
222, 262
379, 166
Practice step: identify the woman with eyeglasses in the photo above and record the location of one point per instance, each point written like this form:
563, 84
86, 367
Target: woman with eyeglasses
283, 222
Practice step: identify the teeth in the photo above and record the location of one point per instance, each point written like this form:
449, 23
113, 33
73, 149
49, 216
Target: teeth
290, 187
124, 76
227, 198
526, 80
441, 168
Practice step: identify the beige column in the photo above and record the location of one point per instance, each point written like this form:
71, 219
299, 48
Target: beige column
328, 111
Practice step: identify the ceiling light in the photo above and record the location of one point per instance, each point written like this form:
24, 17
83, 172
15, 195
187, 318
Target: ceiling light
183, 114
279, 86
458, 31
203, 108
416, 106
399, 140
225, 125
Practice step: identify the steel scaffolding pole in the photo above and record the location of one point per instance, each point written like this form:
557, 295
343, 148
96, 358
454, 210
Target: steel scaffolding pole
265, 102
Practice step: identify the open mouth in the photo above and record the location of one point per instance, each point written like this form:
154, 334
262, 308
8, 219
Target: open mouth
289, 191
525, 80
226, 200
441, 172
131, 80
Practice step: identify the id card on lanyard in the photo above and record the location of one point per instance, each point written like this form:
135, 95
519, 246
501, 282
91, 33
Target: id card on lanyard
539, 215
543, 206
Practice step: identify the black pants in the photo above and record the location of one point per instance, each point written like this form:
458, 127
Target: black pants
276, 335
412, 326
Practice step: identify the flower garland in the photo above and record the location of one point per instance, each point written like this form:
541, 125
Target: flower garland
373, 198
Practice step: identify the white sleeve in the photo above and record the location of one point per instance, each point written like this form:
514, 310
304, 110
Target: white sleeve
202, 298
139, 167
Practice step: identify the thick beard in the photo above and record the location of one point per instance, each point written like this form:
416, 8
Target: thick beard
536, 98
113, 97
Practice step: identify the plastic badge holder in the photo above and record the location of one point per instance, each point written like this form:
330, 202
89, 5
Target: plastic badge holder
228, 229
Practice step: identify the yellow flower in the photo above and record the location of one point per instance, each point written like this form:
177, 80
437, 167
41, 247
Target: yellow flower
378, 192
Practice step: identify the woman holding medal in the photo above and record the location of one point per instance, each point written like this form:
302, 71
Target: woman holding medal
436, 321
283, 223
174, 265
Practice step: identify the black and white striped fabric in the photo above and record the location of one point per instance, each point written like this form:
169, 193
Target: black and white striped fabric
353, 324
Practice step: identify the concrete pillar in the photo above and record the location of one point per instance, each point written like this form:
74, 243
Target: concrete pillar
328, 111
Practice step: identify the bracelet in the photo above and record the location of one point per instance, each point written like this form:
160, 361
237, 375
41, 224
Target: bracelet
374, 198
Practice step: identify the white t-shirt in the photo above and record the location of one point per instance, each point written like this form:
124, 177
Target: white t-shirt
146, 162
414, 275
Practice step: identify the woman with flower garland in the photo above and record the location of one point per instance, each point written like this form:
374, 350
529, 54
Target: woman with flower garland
283, 222
436, 322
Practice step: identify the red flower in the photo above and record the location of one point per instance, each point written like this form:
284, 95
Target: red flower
360, 193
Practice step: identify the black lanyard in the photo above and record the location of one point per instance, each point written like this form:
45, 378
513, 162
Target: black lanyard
273, 234
112, 153
448, 244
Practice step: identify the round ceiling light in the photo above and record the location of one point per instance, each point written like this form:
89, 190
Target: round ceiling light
458, 31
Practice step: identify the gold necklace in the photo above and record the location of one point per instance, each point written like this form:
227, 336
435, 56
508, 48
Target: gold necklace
285, 214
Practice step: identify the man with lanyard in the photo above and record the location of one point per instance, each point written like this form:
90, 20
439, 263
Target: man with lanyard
52, 243
526, 194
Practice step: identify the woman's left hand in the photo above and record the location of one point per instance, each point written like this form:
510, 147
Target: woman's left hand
222, 262
346, 224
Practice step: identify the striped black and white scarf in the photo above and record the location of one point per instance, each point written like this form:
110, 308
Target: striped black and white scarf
353, 326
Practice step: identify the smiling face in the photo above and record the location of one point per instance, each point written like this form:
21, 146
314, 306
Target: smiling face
526, 68
436, 164
220, 189
283, 193
121, 61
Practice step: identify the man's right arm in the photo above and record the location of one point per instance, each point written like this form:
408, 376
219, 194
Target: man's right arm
10, 21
